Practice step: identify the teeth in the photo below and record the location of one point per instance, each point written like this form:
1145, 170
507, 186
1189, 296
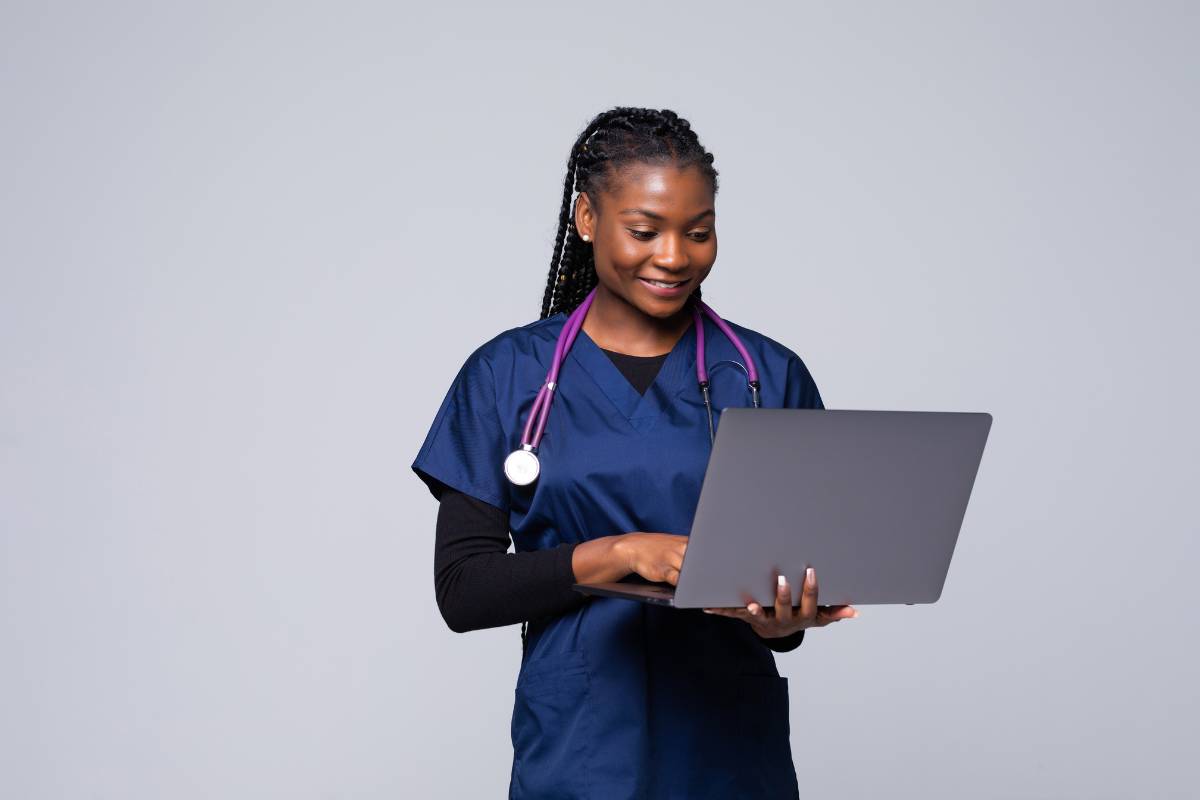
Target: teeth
662, 285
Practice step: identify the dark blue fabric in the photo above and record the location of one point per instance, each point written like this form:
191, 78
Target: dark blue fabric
621, 699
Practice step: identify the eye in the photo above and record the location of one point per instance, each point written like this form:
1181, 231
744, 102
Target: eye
642, 236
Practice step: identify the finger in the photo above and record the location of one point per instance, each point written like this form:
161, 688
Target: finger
760, 618
758, 612
672, 576
753, 619
742, 613
828, 614
808, 596
783, 600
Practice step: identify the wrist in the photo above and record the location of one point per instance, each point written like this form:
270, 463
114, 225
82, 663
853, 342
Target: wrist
600, 560
622, 558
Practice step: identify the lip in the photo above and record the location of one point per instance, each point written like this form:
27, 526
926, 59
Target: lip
675, 291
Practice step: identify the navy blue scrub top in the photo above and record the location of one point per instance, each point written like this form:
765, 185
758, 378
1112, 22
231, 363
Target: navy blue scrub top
622, 699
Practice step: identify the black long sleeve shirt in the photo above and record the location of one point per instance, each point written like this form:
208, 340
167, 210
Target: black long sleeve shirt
479, 584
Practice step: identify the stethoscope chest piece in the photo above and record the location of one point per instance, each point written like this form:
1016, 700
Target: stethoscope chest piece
521, 467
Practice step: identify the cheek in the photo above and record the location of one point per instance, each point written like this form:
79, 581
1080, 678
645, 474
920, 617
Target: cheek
627, 253
705, 255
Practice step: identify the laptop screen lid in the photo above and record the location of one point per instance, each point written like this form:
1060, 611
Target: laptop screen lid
873, 500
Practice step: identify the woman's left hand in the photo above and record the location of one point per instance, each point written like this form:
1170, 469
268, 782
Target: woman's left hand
785, 620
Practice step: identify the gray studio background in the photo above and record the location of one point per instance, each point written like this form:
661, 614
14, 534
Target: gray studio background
245, 249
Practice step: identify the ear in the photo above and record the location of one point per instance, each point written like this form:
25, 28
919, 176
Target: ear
585, 216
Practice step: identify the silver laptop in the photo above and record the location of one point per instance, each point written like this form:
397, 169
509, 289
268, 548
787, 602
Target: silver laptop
873, 500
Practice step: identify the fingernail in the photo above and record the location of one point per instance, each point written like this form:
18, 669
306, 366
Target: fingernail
753, 609
855, 614
706, 611
810, 576
782, 583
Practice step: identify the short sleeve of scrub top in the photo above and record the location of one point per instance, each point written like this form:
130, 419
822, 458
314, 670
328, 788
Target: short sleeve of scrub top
800, 390
465, 446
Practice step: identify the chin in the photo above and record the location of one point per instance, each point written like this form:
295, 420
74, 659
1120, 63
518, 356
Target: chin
663, 308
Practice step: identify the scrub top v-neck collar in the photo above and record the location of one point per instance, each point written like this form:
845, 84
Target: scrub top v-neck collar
639, 409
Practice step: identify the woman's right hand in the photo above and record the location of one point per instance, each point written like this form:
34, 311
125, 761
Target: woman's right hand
655, 556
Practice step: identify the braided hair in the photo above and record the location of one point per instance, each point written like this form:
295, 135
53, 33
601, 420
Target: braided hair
613, 139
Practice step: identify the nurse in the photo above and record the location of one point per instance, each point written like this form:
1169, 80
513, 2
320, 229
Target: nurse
616, 698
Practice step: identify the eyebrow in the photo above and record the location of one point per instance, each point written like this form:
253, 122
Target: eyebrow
660, 217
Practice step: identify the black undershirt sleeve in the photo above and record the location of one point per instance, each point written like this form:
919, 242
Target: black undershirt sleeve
479, 584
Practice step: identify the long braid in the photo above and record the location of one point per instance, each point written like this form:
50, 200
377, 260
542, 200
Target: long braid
566, 221
613, 138
563, 218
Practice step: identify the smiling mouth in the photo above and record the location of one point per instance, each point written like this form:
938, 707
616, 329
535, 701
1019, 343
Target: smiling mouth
664, 284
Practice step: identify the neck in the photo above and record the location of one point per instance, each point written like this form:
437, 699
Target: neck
615, 324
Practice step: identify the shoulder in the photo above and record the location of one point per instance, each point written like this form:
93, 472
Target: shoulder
783, 373
499, 353
760, 343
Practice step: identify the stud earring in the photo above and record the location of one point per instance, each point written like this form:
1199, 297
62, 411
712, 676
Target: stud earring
587, 238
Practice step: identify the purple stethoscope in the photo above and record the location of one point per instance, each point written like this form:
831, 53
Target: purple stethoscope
522, 467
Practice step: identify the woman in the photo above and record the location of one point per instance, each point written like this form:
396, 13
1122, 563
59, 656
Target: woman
616, 698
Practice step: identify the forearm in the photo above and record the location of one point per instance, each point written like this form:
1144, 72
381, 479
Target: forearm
481, 585
488, 590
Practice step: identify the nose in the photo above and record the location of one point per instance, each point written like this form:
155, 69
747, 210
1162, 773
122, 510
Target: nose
671, 253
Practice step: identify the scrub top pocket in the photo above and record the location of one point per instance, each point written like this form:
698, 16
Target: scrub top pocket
552, 729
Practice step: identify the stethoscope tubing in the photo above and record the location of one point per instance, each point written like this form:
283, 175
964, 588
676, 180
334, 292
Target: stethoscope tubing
541, 404
535, 425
